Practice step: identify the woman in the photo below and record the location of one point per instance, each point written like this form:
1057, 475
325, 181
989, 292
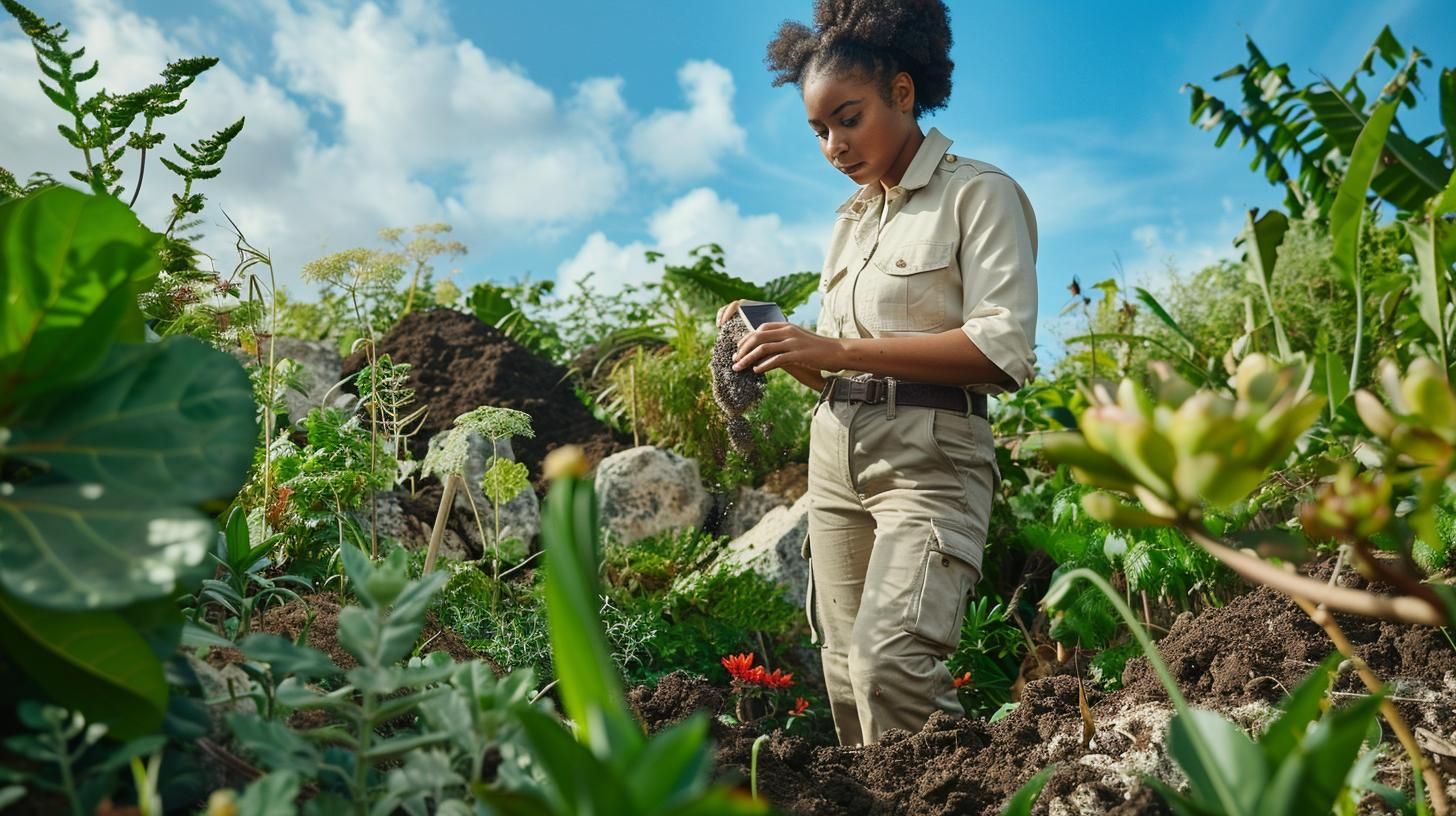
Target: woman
928, 305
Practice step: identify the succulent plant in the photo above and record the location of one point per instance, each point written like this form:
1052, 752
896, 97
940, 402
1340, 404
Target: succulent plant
1179, 448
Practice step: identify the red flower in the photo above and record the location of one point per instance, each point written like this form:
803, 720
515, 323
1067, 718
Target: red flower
777, 679
740, 666
962, 680
801, 706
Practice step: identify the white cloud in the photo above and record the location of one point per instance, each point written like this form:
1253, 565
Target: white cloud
757, 247
362, 117
1169, 248
682, 145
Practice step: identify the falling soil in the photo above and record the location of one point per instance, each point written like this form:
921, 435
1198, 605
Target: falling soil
459, 363
1239, 660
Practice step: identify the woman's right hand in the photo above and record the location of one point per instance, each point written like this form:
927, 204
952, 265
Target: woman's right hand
726, 313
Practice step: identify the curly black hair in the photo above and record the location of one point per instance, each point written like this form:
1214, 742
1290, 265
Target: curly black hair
875, 39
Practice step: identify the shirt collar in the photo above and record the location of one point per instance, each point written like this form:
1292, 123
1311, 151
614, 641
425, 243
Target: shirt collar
917, 175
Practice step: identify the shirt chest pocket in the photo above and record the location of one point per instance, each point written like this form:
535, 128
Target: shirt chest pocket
909, 288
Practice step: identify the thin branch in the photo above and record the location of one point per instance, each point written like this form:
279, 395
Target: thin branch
1340, 599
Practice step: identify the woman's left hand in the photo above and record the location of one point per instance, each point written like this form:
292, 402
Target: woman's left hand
784, 345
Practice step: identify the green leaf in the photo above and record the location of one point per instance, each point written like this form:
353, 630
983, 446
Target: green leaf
1225, 769
1414, 175
93, 662
71, 266
286, 657
1332, 748
590, 685
1348, 213
577, 781
490, 303
1447, 98
273, 795
1261, 239
172, 422
1286, 734
791, 291
1431, 295
275, 744
1162, 314
1337, 379
1026, 795
74, 547
672, 767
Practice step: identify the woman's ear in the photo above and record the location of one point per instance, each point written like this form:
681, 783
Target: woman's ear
902, 91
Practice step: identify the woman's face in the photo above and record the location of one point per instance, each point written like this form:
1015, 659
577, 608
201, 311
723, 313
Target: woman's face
861, 134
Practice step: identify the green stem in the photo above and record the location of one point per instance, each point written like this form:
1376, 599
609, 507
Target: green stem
1205, 753
753, 765
68, 779
361, 764
1359, 308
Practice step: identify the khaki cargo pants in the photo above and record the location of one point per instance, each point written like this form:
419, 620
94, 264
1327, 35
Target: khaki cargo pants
899, 502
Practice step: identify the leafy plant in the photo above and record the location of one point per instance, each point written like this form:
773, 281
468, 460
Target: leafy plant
502, 481
183, 297
697, 611
106, 439
244, 589
610, 767
72, 758
988, 656
1298, 133
1302, 763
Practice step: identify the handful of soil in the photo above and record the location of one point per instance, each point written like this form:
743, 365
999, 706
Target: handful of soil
736, 392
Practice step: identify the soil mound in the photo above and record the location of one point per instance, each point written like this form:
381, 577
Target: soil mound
459, 363
1238, 659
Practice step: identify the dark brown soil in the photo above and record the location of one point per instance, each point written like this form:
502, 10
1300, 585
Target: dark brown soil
288, 620
790, 481
459, 364
1247, 652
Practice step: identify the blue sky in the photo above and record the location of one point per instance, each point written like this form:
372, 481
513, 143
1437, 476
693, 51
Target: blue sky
564, 137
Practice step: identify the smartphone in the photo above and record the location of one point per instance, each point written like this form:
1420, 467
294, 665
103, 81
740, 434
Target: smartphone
756, 313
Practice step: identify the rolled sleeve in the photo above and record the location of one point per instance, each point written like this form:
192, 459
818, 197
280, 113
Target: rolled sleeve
998, 274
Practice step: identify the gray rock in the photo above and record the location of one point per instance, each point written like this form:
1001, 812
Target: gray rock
773, 549
413, 533
519, 518
225, 691
321, 368
647, 490
746, 508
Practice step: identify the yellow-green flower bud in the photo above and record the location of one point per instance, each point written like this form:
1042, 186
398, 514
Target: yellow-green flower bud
1374, 414
1349, 508
1429, 395
1107, 509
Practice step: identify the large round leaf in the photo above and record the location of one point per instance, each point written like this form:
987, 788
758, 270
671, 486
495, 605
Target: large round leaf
87, 547
70, 268
92, 662
173, 422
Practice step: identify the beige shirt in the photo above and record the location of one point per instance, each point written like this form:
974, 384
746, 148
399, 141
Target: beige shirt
957, 247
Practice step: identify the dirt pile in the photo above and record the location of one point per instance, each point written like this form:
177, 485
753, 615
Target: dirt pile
459, 363
1238, 660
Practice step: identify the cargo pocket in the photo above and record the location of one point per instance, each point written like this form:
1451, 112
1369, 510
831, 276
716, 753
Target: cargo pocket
809, 589
948, 572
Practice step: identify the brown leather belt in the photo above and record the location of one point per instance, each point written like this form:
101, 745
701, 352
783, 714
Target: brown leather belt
876, 390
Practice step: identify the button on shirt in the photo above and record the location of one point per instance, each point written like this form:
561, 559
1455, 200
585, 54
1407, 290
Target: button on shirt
952, 245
